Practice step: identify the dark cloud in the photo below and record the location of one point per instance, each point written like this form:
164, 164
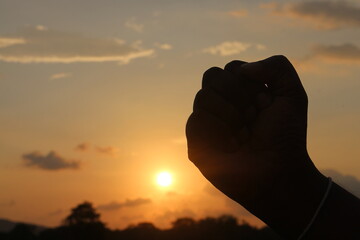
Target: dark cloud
239, 13
42, 45
321, 14
7, 203
51, 161
108, 150
350, 183
127, 203
82, 147
345, 52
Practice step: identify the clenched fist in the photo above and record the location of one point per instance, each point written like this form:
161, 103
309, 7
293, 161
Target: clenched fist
247, 135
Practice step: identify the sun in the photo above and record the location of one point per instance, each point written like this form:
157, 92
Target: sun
164, 179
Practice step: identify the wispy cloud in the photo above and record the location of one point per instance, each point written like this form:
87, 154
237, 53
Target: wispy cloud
51, 161
320, 14
60, 75
7, 203
134, 25
82, 147
127, 203
239, 13
107, 150
346, 53
229, 48
34, 45
164, 46
321, 56
41, 28
10, 41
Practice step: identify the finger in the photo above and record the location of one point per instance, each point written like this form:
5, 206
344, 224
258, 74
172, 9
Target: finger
226, 85
211, 102
278, 74
255, 90
206, 133
234, 66
250, 114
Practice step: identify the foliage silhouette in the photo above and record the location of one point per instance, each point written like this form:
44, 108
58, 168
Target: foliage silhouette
84, 223
83, 213
22, 231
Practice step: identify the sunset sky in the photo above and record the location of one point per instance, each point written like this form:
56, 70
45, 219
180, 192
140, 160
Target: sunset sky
94, 97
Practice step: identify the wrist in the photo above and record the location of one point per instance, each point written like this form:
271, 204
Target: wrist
338, 218
293, 200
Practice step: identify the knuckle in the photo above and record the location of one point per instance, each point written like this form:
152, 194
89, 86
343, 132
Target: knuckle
281, 59
305, 99
212, 71
199, 98
233, 65
209, 76
281, 62
189, 124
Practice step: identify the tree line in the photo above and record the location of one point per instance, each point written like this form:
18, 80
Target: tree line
84, 223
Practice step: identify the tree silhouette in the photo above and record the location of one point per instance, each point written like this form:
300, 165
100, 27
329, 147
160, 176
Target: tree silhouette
83, 213
22, 231
83, 223
183, 223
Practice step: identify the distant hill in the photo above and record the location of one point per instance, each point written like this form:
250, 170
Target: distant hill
7, 226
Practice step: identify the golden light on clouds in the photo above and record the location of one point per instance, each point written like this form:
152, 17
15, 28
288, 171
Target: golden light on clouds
164, 179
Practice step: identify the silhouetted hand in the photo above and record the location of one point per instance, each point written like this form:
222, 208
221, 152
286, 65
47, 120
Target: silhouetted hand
247, 135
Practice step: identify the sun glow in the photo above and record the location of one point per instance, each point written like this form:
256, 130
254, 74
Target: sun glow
164, 179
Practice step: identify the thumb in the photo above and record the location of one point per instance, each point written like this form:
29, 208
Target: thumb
278, 74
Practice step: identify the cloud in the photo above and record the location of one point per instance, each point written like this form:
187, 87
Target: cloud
9, 41
319, 58
260, 46
127, 203
320, 14
229, 48
41, 28
239, 13
32, 45
133, 25
346, 53
52, 161
8, 203
60, 75
348, 182
109, 150
164, 46
82, 147
340, 53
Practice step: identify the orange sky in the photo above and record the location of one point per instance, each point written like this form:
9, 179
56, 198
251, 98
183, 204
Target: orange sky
94, 96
